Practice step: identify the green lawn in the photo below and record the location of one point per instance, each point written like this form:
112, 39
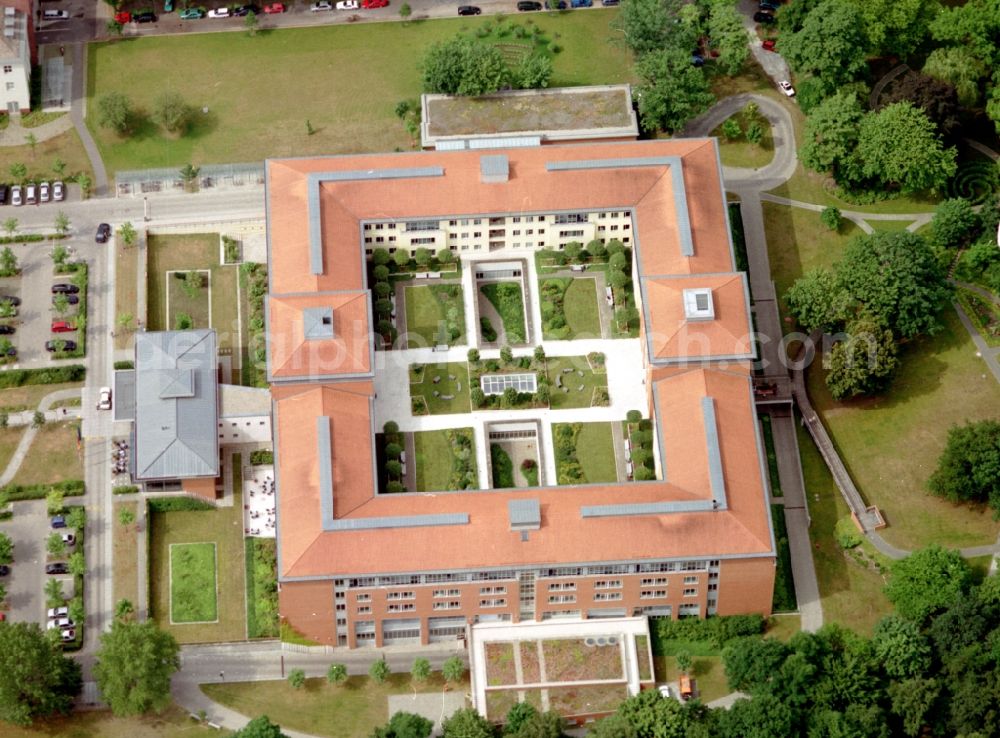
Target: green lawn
173, 722
434, 459
891, 443
66, 147
560, 399
741, 153
808, 186
348, 80
708, 673
427, 309
508, 300
575, 302
354, 708
53, 456
422, 385
126, 288
193, 583
194, 305
596, 453
850, 583
125, 576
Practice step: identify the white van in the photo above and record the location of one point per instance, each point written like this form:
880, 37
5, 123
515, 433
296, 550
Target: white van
55, 15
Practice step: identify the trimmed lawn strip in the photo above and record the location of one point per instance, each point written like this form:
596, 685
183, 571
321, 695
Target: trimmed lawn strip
574, 300
891, 443
436, 460
707, 672
595, 450
422, 384
783, 598
850, 585
427, 309
195, 307
262, 587
354, 708
383, 59
126, 289
9, 438
508, 300
125, 572
500, 664
572, 660
587, 699
53, 456
807, 186
193, 583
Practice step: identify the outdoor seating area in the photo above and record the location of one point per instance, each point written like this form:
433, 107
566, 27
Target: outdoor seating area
258, 503
119, 457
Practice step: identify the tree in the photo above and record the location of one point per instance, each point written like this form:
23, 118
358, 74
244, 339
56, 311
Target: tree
755, 133
464, 66
126, 516
506, 354
818, 301
732, 129
6, 549
8, 263
54, 596
467, 723
402, 258
671, 91
901, 648
379, 671
251, 23
613, 726
54, 502
617, 278
77, 564
114, 28
18, 171
831, 218
124, 321
405, 725
128, 233
830, 45
32, 140
539, 354
59, 255
955, 223
4, 422
937, 99
899, 146
189, 175
831, 136
76, 517
896, 27
60, 303
752, 663
473, 355
381, 257
114, 110
36, 680
651, 25
393, 468
10, 225
765, 716
134, 664
193, 282
927, 580
652, 716
84, 181
912, 700
260, 727
898, 279
421, 670
62, 226
55, 545
968, 469
297, 678
684, 661
453, 669
172, 112
627, 316
725, 28
517, 716
533, 73
864, 362
59, 167
38, 419
542, 725
405, 10
961, 68
124, 609
445, 256
336, 674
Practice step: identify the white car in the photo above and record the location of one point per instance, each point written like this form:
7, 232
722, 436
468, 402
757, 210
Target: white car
68, 635
70, 540
218, 13
55, 15
321, 5
786, 87
59, 623
104, 403
58, 612
348, 5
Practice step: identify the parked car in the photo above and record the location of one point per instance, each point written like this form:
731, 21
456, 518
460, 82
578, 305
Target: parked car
144, 16
786, 87
62, 326
192, 14
218, 13
606, 3
58, 612
64, 288
274, 8
60, 623
69, 539
525, 5
759, 17
55, 15
243, 10
555, 4
68, 635
123, 17
168, 6
768, 44
348, 5
16, 301
320, 5
371, 4
469, 10
16, 195
697, 59
57, 567
3, 194
31, 194
104, 401
58, 191
51, 346
582, 3
9, 351
58, 521
4, 570
44, 192
6, 330
103, 233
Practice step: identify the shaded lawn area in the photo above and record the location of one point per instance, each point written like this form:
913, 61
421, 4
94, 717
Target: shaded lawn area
422, 384
426, 310
891, 443
596, 453
559, 399
850, 587
740, 152
508, 299
52, 458
819, 189
707, 672
434, 459
579, 308
354, 708
193, 583
126, 287
224, 527
183, 253
27, 397
195, 306
174, 722
66, 146
126, 552
370, 65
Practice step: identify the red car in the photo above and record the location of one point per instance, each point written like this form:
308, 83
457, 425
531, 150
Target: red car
369, 4
62, 326
769, 44
123, 17
274, 8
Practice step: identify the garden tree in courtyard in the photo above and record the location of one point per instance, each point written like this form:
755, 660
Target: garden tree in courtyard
830, 45
405, 725
114, 110
955, 223
671, 90
651, 715
818, 302
541, 725
613, 726
336, 674
128, 233
969, 467
899, 147
134, 665
831, 136
467, 723
36, 680
421, 670
453, 669
725, 28
8, 263
517, 716
926, 581
260, 727
864, 362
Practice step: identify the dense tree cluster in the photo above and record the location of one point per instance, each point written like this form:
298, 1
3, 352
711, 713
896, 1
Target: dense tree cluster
36, 680
468, 66
969, 467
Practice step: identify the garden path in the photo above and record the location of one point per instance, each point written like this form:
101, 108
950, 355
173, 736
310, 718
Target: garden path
29, 435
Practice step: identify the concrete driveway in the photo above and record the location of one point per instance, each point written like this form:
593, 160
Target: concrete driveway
25, 584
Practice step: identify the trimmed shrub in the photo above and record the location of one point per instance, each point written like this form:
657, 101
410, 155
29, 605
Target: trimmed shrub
68, 488
54, 375
178, 504
125, 489
261, 457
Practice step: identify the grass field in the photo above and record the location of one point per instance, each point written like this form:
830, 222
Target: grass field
65, 146
354, 708
891, 444
742, 153
193, 583
52, 458
224, 527
850, 586
179, 302
426, 310
811, 187
457, 388
434, 459
579, 308
126, 553
126, 289
707, 671
596, 453
173, 722
27, 397
350, 112
558, 399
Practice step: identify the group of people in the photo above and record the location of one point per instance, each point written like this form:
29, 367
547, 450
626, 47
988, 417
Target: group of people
119, 457
268, 515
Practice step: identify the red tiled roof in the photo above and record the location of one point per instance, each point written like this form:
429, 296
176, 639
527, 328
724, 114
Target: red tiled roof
347, 352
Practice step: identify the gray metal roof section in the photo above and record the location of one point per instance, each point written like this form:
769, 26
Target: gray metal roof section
125, 394
401, 521
646, 508
315, 215
676, 178
317, 322
324, 456
176, 405
494, 168
510, 142
524, 514
715, 475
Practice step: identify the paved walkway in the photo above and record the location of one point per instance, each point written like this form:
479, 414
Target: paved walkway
78, 112
29, 435
856, 216
16, 134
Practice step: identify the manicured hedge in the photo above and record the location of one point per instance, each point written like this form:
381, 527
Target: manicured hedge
70, 488
261, 457
177, 504
53, 375
125, 489
717, 630
124, 365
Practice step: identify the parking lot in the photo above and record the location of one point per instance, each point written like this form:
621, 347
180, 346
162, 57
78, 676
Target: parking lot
28, 528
